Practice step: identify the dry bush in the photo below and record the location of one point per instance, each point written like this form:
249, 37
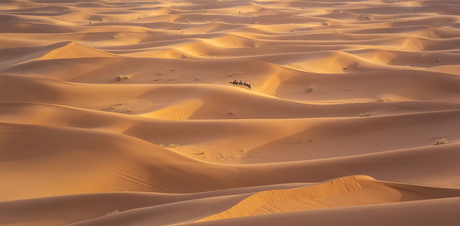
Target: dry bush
120, 77
442, 141
112, 212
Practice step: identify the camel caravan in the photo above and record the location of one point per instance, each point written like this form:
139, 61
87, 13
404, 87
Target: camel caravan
241, 83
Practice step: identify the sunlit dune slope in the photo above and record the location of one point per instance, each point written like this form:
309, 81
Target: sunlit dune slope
348, 191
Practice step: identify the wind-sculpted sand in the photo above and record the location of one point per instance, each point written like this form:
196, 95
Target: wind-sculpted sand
122, 112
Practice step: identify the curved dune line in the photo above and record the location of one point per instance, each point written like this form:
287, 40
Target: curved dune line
74, 50
262, 203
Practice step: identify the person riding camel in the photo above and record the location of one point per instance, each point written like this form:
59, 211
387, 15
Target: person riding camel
241, 83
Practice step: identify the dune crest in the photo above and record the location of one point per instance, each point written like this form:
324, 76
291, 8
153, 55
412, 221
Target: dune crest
342, 192
272, 201
74, 50
181, 110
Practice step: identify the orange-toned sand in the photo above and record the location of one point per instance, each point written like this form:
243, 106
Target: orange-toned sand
117, 112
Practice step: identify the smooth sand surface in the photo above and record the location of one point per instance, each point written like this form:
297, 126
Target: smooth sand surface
117, 112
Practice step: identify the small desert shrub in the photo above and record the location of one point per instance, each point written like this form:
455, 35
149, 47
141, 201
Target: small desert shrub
439, 60
161, 145
442, 141
160, 73
203, 153
345, 68
172, 69
112, 212
172, 145
325, 23
197, 78
367, 114
129, 109
170, 79
120, 77
113, 107
310, 89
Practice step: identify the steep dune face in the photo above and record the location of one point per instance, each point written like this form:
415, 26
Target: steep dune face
116, 112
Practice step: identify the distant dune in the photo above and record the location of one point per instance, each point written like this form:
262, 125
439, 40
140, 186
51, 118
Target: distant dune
117, 112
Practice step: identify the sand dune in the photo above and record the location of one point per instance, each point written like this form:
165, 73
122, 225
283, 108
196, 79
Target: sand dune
429, 212
359, 190
117, 112
73, 50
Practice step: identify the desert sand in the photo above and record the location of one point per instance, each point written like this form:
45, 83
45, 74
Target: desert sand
117, 112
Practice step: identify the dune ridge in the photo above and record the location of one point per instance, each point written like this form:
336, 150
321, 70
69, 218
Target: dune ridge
332, 194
